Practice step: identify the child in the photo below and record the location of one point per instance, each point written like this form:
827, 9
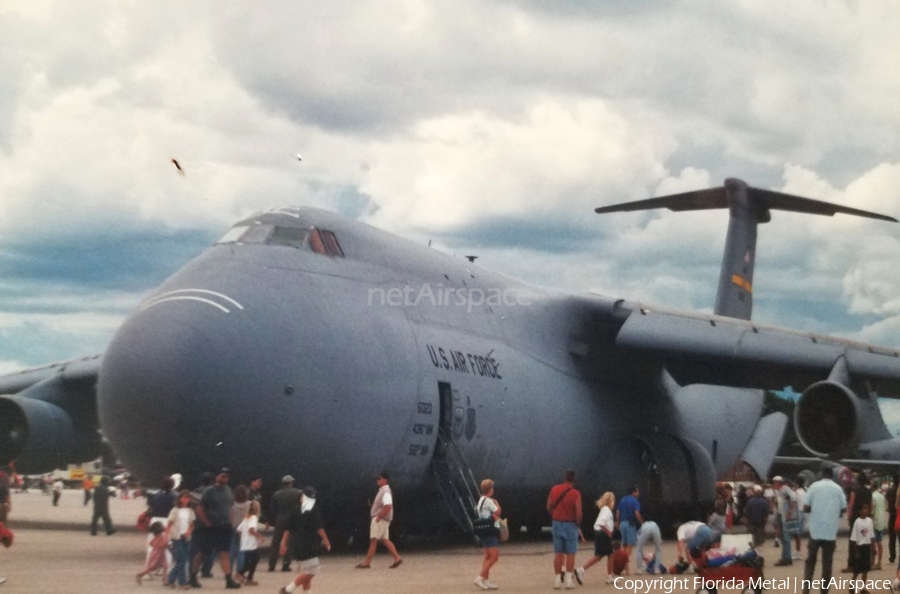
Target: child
861, 544
619, 559
717, 520
180, 527
250, 541
157, 558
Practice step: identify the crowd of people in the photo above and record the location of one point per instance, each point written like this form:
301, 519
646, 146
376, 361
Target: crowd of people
189, 530
789, 509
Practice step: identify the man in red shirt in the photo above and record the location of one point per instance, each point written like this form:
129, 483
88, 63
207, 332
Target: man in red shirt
564, 505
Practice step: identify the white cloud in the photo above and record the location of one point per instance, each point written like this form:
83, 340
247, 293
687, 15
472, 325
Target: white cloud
687, 180
447, 117
28, 339
884, 331
558, 162
11, 367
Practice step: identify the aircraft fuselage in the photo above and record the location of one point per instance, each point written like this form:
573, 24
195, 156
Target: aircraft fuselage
273, 359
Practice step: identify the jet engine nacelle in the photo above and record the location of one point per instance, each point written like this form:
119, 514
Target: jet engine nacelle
40, 436
827, 418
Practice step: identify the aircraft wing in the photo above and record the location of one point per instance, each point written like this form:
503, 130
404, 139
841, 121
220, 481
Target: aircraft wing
73, 370
837, 414
865, 463
716, 349
48, 415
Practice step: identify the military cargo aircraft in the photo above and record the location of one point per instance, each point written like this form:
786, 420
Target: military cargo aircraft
306, 343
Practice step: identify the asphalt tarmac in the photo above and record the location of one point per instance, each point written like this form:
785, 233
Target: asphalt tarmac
54, 552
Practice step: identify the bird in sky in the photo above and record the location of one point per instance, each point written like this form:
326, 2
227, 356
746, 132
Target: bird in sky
178, 167
299, 158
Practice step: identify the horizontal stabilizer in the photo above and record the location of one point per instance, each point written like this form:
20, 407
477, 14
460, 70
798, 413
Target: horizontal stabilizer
698, 200
778, 201
714, 198
747, 207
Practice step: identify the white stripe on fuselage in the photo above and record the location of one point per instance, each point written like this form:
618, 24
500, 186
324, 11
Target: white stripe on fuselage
185, 298
152, 300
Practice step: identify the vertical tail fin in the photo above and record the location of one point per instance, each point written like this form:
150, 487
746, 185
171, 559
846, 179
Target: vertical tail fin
747, 207
734, 297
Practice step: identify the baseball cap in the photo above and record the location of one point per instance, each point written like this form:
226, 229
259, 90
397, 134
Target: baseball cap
287, 479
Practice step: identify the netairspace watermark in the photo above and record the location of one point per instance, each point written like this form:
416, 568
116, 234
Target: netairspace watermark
441, 296
760, 584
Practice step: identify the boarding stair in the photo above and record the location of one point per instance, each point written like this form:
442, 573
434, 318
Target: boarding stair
455, 482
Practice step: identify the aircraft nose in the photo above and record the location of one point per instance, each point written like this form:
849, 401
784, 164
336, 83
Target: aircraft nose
165, 390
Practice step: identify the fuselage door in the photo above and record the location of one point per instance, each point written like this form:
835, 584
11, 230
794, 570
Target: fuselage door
453, 412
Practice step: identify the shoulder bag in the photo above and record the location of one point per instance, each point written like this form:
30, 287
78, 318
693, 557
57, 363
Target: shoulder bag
484, 527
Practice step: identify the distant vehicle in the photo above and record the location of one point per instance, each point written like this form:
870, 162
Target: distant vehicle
73, 474
308, 344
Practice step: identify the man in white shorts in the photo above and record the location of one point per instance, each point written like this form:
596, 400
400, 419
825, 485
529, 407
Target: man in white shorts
382, 513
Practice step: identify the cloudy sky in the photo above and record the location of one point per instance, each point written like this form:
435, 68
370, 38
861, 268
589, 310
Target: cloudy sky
491, 127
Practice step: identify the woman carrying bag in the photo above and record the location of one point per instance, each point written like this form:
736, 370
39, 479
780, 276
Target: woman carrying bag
488, 532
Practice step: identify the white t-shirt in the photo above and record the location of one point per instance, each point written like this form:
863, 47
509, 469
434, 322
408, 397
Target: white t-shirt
687, 530
604, 520
249, 542
487, 508
180, 518
863, 531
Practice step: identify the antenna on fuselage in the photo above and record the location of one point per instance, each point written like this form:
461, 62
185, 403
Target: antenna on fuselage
747, 207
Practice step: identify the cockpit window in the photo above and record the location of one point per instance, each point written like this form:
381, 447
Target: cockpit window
331, 244
233, 234
324, 242
290, 236
319, 241
257, 234
315, 242
247, 234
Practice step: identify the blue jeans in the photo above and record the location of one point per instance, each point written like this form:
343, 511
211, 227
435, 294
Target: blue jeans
648, 535
180, 560
234, 554
785, 541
